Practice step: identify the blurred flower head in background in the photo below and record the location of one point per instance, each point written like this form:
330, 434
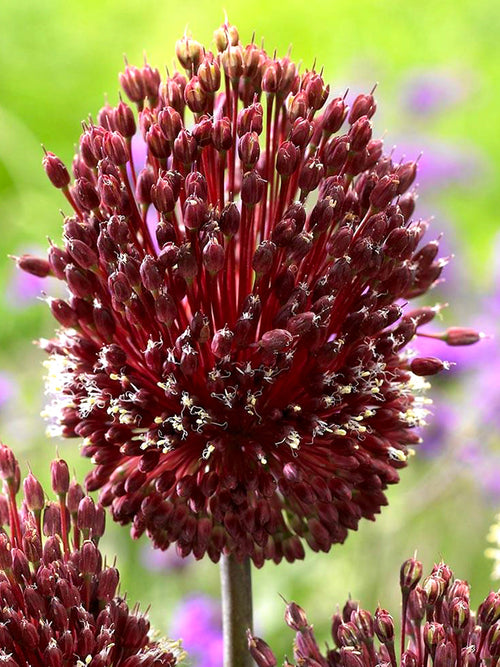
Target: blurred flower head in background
239, 370
59, 601
198, 623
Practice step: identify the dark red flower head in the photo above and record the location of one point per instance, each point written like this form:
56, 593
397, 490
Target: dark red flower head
439, 628
58, 602
232, 349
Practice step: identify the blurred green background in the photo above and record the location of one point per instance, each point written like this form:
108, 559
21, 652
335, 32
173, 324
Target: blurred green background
57, 58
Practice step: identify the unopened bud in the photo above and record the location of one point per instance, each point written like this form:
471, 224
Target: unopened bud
260, 651
33, 493
384, 626
461, 336
55, 170
295, 617
427, 366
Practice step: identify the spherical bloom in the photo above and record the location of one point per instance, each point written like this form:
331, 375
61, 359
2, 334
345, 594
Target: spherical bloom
437, 623
232, 350
58, 599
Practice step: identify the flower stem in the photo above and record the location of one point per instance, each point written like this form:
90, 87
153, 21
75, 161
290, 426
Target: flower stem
236, 585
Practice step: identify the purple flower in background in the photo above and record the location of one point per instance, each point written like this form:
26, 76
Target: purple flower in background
441, 163
24, 288
198, 621
433, 91
7, 389
156, 560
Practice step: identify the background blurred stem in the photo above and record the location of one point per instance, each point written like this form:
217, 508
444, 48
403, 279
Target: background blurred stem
236, 587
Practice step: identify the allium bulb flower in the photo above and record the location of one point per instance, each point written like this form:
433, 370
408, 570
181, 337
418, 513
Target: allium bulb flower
232, 350
438, 628
59, 606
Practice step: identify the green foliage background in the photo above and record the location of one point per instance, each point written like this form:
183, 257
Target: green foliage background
57, 57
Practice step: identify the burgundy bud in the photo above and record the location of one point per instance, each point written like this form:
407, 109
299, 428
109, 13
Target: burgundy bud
360, 134
86, 514
185, 147
132, 82
489, 610
75, 495
150, 274
195, 95
63, 312
209, 74
189, 52
33, 493
406, 174
108, 583
252, 188
433, 634
334, 115
55, 170
287, 158
124, 120
196, 184
295, 617
317, 92
427, 365
195, 212
119, 286
250, 119
276, 340
9, 466
170, 122
384, 626
157, 142
59, 472
213, 256
249, 150
263, 257
459, 614
384, 191
260, 651
34, 265
115, 148
461, 336
311, 174
410, 574
145, 182
222, 137
363, 105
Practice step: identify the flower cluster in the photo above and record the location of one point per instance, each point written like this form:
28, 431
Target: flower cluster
59, 606
437, 627
232, 350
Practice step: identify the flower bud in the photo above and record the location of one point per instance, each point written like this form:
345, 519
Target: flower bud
55, 170
295, 617
427, 365
410, 574
461, 336
59, 472
363, 105
252, 188
384, 626
33, 493
189, 52
260, 651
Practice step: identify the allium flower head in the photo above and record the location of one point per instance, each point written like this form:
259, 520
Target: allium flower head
232, 349
58, 598
440, 628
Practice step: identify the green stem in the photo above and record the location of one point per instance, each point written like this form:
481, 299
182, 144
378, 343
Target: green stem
236, 586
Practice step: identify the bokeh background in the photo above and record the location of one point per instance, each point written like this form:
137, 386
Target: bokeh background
437, 66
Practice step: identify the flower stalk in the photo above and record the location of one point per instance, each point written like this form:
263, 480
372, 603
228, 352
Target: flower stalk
236, 588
